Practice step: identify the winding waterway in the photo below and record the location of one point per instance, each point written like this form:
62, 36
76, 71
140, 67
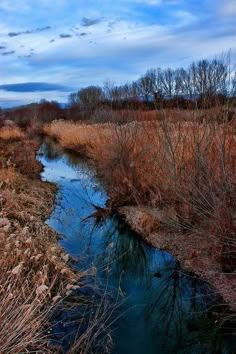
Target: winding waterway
161, 309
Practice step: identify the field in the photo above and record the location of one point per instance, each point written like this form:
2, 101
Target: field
171, 174
118, 177
174, 179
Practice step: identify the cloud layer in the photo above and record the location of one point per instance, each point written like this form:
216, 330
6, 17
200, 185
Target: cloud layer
32, 87
76, 43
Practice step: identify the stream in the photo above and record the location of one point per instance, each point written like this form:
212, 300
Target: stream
159, 308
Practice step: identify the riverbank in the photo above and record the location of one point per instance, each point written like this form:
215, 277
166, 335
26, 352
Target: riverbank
173, 182
195, 252
35, 275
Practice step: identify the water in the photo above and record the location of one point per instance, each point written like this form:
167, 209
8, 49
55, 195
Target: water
162, 310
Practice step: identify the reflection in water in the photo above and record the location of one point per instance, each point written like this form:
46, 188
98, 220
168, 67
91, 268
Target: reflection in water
165, 311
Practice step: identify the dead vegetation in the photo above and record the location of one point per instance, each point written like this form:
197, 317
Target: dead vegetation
35, 277
182, 170
11, 133
34, 273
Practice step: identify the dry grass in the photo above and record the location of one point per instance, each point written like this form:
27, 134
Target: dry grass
79, 136
35, 277
187, 166
11, 133
151, 162
34, 273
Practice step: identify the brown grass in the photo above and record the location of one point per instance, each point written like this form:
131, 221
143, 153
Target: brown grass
35, 277
11, 133
34, 274
152, 162
187, 166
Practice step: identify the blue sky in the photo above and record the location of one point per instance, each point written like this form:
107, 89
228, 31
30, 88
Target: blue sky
55, 47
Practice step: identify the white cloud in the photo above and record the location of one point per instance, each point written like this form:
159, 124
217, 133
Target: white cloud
25, 5
120, 47
18, 6
156, 2
229, 7
8, 99
185, 18
149, 2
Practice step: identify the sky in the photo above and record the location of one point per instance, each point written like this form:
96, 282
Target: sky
51, 48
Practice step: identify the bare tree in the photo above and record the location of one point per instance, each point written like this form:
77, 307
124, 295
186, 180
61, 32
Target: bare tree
183, 83
73, 99
144, 87
233, 85
90, 97
168, 82
108, 87
209, 78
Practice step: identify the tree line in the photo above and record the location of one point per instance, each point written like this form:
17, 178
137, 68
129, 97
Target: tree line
205, 82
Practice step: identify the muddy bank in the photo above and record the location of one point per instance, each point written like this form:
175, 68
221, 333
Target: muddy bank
195, 251
34, 272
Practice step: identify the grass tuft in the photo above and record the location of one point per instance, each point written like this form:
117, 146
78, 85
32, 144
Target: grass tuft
10, 133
